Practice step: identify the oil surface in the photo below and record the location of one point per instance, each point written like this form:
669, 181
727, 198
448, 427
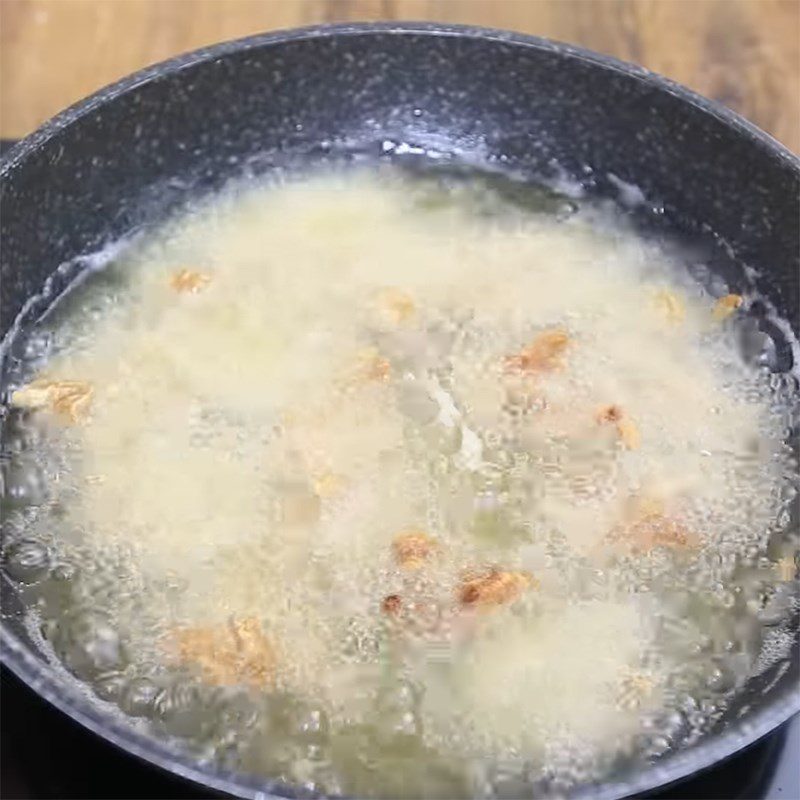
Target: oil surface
403, 487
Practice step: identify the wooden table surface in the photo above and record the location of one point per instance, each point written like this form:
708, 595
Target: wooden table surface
745, 53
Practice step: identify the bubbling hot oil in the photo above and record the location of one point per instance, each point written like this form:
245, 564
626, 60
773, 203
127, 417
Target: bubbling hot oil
404, 487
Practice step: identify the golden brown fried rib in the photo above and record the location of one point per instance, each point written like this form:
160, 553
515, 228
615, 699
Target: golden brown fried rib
411, 549
660, 531
392, 604
493, 588
328, 484
726, 305
369, 367
395, 305
626, 427
237, 654
649, 527
377, 369
610, 413
70, 400
629, 433
543, 354
671, 307
189, 281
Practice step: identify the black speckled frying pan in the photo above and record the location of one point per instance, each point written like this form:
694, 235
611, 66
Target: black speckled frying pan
125, 156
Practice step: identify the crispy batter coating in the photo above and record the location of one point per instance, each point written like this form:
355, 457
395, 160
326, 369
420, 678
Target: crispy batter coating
368, 367
328, 484
648, 526
726, 305
395, 305
411, 549
70, 400
628, 430
189, 281
544, 354
658, 530
237, 654
671, 307
493, 588
377, 369
629, 433
392, 604
609, 413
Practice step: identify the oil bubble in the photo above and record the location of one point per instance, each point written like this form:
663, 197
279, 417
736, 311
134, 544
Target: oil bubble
27, 561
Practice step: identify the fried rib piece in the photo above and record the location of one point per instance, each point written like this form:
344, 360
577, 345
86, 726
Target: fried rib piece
411, 549
395, 305
392, 605
189, 281
726, 305
369, 367
544, 354
70, 400
328, 484
626, 427
657, 530
670, 306
629, 433
238, 654
493, 588
374, 368
648, 526
610, 413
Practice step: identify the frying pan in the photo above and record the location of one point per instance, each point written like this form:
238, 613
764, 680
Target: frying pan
123, 158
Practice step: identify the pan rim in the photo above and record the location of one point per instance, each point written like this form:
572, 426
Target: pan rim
329, 30
41, 677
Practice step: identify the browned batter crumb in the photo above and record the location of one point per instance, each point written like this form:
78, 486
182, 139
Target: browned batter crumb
648, 526
629, 433
369, 367
494, 588
543, 354
70, 400
328, 484
726, 305
396, 305
392, 604
411, 549
188, 280
670, 306
626, 427
237, 654
609, 413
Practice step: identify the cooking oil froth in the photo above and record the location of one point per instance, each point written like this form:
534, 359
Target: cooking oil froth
403, 486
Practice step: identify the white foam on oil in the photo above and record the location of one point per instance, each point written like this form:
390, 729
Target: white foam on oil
260, 442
